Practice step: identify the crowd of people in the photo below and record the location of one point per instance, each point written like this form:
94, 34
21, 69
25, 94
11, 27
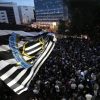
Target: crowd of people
72, 72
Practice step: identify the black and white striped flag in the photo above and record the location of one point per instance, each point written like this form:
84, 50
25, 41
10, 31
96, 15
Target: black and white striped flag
21, 56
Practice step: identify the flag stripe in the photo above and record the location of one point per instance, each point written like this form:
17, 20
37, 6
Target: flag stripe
11, 61
21, 79
3, 64
24, 83
26, 58
4, 39
34, 51
4, 48
44, 54
5, 69
5, 55
30, 44
32, 47
19, 92
17, 78
40, 46
13, 75
44, 58
8, 73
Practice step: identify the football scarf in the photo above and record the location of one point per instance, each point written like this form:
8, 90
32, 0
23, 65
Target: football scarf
21, 56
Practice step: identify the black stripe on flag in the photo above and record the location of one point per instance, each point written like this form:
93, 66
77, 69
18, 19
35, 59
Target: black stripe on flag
10, 78
6, 68
5, 55
31, 43
21, 79
4, 39
25, 83
33, 49
44, 56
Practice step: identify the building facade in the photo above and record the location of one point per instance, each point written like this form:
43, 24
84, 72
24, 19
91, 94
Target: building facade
50, 10
9, 13
3, 16
26, 14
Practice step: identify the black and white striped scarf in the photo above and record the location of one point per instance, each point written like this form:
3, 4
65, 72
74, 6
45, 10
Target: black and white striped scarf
20, 59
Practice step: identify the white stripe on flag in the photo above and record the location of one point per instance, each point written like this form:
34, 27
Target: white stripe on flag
8, 73
26, 88
11, 61
25, 81
41, 57
3, 64
4, 48
29, 53
17, 78
26, 58
44, 59
31, 47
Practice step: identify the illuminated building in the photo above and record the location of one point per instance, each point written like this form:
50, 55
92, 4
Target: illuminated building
50, 10
26, 14
9, 13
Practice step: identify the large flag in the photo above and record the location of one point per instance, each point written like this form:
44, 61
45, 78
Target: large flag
21, 56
